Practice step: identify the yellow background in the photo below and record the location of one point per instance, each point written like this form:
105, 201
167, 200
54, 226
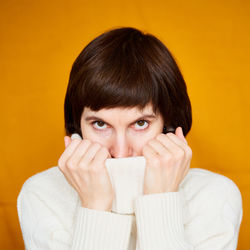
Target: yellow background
39, 41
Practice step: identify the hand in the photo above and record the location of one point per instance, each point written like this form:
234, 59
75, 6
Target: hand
168, 158
82, 164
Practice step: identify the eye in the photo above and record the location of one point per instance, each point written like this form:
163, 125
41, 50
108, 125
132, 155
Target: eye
99, 125
142, 124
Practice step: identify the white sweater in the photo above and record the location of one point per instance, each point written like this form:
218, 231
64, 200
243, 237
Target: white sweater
205, 213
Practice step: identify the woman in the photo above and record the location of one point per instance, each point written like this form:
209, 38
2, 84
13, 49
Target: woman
126, 98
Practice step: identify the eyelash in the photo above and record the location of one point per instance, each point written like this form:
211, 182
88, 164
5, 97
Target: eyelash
142, 126
94, 122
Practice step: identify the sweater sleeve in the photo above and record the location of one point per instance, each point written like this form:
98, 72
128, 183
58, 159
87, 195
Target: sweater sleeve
214, 225
42, 228
159, 222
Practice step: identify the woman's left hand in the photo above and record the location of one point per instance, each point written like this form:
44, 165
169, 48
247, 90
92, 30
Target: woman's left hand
168, 158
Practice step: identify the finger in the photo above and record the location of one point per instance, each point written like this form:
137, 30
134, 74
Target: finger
178, 141
187, 169
100, 157
151, 156
68, 152
67, 141
79, 151
168, 143
89, 155
158, 147
179, 134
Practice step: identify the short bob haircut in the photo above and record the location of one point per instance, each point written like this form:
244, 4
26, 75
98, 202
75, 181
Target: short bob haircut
125, 68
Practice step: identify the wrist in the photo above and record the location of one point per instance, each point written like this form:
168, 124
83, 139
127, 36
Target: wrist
99, 207
155, 190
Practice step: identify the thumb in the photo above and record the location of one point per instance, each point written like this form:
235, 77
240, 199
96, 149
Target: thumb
179, 133
67, 141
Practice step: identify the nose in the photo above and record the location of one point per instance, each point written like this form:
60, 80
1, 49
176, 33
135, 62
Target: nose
120, 146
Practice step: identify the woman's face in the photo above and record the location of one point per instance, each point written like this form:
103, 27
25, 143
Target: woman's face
124, 131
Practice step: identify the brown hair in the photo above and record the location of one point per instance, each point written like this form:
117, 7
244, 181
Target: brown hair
125, 68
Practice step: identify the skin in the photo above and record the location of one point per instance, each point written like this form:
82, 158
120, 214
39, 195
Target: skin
123, 132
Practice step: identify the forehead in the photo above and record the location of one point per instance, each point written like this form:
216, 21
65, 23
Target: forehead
112, 113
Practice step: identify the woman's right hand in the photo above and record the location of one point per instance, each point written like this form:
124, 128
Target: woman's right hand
82, 164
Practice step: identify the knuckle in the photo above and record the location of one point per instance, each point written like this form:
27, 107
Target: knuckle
150, 142
166, 158
70, 165
83, 165
189, 151
156, 162
180, 153
104, 150
170, 134
95, 169
96, 145
160, 137
59, 162
86, 141
75, 142
76, 139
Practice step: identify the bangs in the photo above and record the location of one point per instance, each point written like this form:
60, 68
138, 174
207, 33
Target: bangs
129, 88
123, 75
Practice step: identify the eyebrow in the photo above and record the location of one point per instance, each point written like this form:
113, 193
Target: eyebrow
146, 116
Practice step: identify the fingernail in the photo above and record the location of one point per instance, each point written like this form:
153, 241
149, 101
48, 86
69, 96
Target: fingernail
75, 136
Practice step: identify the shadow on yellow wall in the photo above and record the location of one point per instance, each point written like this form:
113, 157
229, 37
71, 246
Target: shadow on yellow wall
40, 40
